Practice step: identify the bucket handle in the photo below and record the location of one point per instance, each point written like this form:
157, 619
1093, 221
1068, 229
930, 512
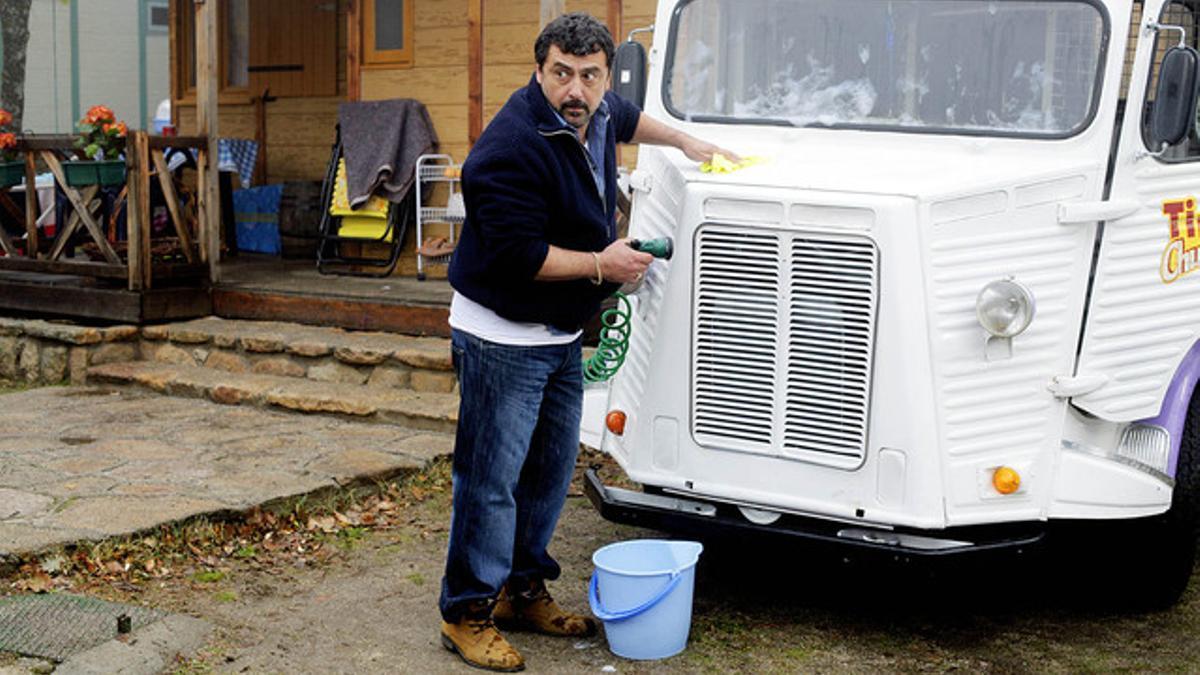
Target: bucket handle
605, 615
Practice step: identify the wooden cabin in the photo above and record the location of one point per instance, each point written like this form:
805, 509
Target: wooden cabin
461, 58
273, 71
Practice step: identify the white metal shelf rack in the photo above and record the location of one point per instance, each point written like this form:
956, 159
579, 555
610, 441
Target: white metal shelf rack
432, 169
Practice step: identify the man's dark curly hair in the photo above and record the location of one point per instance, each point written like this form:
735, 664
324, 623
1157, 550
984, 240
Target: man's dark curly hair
577, 33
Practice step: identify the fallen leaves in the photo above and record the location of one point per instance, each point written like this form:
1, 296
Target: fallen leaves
326, 524
52, 564
39, 582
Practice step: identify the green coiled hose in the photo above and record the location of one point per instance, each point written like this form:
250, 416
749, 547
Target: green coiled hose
610, 353
615, 322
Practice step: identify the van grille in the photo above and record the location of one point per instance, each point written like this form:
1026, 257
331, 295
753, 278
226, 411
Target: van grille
736, 335
784, 330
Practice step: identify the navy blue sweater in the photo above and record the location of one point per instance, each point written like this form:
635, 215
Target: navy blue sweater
527, 185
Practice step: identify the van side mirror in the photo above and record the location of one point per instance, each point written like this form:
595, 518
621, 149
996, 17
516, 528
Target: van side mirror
1174, 112
629, 72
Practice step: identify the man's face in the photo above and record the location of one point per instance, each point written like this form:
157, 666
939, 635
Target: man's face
574, 85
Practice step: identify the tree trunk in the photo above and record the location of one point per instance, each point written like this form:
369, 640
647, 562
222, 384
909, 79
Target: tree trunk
14, 22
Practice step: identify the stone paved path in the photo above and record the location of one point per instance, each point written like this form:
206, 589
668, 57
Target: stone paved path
87, 463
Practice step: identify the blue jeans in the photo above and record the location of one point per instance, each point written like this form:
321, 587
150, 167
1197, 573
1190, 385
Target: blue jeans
514, 455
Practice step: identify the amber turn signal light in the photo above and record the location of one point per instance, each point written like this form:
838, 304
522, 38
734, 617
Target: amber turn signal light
1006, 480
615, 421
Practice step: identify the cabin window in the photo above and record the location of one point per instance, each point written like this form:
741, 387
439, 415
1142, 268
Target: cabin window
387, 30
158, 18
289, 46
235, 31
232, 45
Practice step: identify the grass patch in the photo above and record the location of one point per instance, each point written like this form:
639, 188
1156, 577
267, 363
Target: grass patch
208, 576
11, 387
225, 596
796, 654
201, 663
417, 579
349, 538
193, 667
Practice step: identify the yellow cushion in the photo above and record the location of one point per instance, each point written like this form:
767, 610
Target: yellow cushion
375, 208
359, 227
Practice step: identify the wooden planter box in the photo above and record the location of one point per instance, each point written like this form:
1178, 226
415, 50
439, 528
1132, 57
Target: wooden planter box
11, 173
87, 172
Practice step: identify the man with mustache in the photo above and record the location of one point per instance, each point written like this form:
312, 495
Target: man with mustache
538, 253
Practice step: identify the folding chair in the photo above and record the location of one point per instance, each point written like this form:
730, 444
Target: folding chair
378, 222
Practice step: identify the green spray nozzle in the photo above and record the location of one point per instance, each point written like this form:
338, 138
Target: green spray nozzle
659, 248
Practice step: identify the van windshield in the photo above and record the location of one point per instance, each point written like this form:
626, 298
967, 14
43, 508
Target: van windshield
998, 67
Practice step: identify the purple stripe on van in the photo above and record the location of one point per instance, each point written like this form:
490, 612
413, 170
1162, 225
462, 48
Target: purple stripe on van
1175, 404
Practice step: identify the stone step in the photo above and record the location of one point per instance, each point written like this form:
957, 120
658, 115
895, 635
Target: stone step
82, 464
412, 409
322, 354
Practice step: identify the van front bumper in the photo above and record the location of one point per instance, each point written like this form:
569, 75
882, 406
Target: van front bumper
703, 519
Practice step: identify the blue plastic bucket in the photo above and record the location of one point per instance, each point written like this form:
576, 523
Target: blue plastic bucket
642, 591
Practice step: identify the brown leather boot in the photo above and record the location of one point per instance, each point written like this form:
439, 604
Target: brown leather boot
475, 639
533, 609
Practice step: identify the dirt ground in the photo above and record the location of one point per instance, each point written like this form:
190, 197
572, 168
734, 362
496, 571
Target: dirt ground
758, 609
371, 608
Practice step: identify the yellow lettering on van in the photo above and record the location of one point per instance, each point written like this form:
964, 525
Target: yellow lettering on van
1182, 254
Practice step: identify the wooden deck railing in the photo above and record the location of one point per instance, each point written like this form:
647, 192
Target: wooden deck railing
144, 161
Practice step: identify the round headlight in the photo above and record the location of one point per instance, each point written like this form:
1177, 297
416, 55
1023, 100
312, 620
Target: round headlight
1004, 308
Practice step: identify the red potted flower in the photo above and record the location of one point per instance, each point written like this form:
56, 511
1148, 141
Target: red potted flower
12, 170
102, 140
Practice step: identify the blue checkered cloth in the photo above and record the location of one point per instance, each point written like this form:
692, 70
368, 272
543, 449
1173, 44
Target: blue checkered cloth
233, 154
237, 154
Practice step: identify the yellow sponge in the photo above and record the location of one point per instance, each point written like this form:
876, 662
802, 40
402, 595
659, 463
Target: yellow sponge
722, 164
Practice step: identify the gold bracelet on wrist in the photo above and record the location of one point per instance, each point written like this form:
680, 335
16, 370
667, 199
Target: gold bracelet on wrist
599, 275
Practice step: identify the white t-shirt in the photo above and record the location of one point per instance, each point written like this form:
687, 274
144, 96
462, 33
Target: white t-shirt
471, 317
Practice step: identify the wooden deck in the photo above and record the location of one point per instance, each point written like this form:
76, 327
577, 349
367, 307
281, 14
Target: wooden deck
251, 287
135, 280
80, 297
271, 289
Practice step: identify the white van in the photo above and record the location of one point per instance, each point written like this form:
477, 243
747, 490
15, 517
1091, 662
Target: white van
952, 307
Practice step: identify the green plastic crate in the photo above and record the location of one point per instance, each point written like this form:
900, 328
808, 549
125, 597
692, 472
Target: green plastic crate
87, 172
11, 173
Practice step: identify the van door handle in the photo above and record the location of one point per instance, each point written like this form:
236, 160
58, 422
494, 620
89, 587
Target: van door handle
1076, 213
1069, 386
